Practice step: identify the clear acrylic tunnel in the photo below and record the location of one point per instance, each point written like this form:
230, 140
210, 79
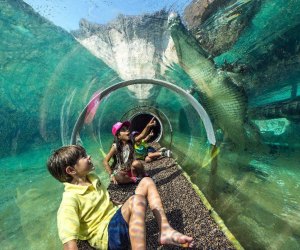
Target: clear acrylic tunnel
231, 78
180, 117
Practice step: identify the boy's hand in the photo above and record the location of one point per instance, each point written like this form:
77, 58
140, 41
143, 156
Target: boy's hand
152, 122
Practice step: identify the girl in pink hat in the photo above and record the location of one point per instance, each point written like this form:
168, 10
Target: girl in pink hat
125, 168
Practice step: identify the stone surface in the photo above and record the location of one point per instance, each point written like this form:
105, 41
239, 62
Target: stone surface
198, 11
134, 46
217, 24
270, 36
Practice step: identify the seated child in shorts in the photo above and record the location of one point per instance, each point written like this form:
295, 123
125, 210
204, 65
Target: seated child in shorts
86, 212
125, 168
145, 152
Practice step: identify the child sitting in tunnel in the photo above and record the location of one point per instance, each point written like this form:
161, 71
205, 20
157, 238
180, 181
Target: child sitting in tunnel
125, 169
86, 212
145, 152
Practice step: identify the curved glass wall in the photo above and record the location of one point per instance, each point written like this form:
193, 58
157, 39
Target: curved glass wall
238, 59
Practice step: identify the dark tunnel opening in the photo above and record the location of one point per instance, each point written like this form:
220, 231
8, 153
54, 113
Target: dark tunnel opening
139, 122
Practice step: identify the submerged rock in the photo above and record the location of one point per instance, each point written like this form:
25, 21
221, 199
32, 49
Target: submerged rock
271, 34
217, 24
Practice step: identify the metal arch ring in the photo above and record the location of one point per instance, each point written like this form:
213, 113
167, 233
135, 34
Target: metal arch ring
197, 106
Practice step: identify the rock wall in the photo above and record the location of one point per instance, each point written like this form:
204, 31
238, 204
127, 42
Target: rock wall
217, 24
198, 11
134, 46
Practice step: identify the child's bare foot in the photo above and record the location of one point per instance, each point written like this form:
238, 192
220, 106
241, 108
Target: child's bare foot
172, 237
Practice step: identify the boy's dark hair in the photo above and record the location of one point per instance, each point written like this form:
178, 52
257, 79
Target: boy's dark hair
62, 158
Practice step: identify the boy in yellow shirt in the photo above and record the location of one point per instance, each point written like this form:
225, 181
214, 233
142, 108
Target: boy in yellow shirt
86, 212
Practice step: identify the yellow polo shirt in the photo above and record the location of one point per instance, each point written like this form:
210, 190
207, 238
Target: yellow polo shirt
85, 212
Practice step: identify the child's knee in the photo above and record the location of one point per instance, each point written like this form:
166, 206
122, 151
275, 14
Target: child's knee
119, 178
122, 178
146, 181
139, 200
148, 159
137, 164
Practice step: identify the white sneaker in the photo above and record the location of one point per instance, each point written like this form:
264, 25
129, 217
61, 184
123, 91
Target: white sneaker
162, 149
167, 153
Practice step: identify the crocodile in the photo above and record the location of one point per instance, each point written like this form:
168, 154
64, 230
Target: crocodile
225, 102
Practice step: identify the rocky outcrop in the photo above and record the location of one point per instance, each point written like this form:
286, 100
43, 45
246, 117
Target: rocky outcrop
271, 36
217, 24
134, 46
198, 11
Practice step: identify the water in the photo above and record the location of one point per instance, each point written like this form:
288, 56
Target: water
30, 199
47, 78
256, 194
260, 201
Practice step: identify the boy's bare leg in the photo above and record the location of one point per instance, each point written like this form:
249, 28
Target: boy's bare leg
152, 156
133, 211
148, 159
168, 235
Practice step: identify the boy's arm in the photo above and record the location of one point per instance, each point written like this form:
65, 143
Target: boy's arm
68, 221
145, 131
148, 136
71, 245
106, 160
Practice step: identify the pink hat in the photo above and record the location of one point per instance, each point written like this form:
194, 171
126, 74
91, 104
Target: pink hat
118, 125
